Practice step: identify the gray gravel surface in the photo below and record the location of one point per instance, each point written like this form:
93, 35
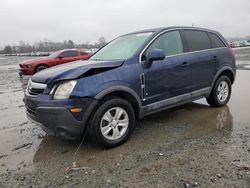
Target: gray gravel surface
189, 146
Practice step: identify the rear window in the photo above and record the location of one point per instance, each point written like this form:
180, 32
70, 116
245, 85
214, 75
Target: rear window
197, 40
216, 41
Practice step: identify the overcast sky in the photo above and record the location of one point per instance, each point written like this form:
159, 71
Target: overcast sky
81, 21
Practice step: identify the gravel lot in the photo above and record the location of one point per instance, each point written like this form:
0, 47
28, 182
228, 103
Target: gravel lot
190, 146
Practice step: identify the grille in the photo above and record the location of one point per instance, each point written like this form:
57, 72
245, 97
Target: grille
34, 91
30, 111
34, 88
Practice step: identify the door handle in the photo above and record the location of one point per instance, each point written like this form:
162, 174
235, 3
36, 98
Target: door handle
185, 64
215, 58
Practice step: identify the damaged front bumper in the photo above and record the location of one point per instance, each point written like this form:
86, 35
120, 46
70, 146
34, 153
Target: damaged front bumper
55, 117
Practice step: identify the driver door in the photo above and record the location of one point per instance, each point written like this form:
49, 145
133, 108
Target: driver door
67, 56
169, 78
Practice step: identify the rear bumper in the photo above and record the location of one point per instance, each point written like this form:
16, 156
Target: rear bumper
57, 120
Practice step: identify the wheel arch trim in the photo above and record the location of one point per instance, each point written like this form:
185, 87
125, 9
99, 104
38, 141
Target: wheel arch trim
218, 74
119, 88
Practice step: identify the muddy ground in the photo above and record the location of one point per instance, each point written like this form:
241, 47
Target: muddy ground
190, 146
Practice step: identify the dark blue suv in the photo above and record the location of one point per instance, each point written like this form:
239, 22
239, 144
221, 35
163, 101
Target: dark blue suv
134, 75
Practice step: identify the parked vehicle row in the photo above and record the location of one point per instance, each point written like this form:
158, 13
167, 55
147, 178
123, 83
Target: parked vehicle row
30, 54
131, 77
237, 44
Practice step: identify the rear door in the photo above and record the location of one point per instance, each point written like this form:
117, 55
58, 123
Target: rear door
201, 58
170, 77
220, 51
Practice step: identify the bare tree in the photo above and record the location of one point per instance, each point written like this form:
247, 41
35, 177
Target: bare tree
8, 50
48, 45
101, 42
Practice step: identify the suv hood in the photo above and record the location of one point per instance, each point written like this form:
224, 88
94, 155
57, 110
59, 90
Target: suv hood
71, 70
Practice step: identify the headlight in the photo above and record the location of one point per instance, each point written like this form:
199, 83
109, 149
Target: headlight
64, 90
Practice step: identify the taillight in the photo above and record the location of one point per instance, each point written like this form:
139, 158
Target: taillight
232, 52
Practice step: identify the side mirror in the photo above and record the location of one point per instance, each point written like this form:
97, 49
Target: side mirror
154, 55
60, 56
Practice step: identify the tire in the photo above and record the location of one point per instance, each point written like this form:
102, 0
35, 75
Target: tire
40, 68
112, 123
221, 92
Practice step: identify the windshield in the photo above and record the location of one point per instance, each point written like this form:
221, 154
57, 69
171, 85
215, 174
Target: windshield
121, 48
55, 54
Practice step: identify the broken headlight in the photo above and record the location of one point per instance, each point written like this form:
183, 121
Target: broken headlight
63, 90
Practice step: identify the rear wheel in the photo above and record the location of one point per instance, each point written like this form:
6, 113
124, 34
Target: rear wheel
40, 68
112, 123
221, 92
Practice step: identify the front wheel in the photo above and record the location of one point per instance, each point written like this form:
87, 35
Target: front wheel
40, 68
221, 92
112, 123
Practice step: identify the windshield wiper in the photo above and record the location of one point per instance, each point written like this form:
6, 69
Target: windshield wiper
96, 59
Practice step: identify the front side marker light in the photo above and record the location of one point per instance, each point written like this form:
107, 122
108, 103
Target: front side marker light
75, 110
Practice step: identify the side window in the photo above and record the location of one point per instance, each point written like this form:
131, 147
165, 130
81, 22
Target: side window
216, 41
197, 40
69, 54
169, 42
83, 53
